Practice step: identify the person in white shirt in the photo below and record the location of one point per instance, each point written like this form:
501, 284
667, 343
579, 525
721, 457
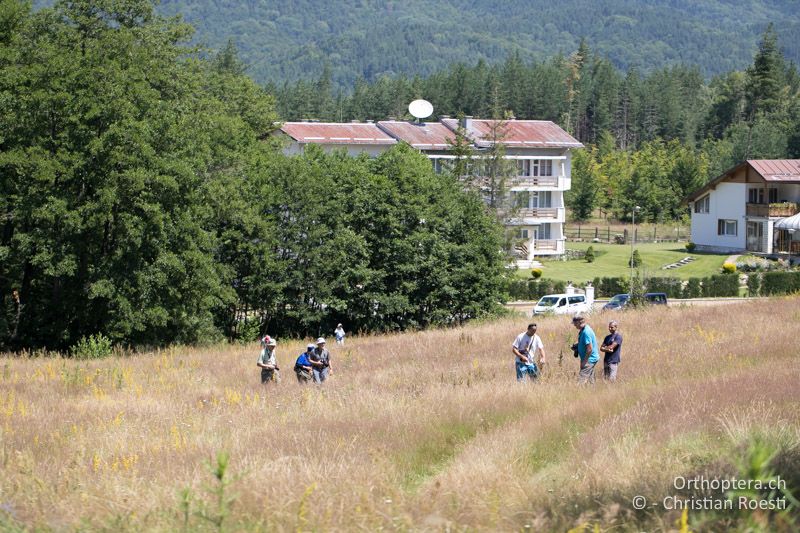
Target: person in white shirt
524, 348
339, 334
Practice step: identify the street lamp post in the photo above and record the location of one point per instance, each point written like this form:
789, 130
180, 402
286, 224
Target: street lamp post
633, 242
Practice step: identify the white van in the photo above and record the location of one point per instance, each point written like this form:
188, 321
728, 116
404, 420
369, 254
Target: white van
562, 304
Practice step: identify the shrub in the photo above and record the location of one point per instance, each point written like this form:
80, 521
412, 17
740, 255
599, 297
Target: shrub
610, 286
536, 273
690, 246
590, 254
721, 286
92, 347
728, 268
753, 284
780, 283
692, 288
636, 260
637, 290
671, 286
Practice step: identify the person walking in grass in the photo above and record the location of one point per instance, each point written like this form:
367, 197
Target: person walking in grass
267, 361
587, 349
612, 346
524, 349
339, 334
321, 362
303, 367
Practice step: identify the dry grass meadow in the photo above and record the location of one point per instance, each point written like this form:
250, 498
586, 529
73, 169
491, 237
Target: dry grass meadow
417, 431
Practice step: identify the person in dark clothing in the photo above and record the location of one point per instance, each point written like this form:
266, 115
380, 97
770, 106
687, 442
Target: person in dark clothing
612, 347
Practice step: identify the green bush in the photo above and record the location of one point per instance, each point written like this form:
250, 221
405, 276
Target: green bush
672, 287
636, 260
753, 284
590, 255
729, 268
690, 246
720, 286
780, 283
536, 273
692, 288
92, 347
608, 287
529, 289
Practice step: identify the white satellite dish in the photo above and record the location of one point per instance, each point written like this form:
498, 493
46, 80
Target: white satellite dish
420, 108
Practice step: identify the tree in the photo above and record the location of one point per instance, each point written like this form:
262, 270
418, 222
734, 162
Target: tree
112, 141
582, 197
766, 76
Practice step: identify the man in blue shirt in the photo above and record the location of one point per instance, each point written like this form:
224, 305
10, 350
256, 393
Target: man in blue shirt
302, 367
612, 346
587, 350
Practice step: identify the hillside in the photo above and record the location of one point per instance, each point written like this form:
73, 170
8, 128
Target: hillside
292, 40
423, 431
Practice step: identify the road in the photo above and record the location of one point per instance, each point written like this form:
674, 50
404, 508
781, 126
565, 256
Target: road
527, 307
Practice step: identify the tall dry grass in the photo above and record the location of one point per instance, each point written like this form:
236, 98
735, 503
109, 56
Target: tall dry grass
416, 431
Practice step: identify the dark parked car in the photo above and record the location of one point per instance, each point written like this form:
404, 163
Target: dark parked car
621, 300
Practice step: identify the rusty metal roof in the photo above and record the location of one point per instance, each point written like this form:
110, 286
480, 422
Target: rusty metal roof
777, 170
423, 136
336, 133
518, 133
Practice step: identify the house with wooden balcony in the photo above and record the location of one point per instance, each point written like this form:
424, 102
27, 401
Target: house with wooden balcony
539, 152
742, 210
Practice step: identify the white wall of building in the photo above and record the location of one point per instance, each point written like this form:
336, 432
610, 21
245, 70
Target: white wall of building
728, 201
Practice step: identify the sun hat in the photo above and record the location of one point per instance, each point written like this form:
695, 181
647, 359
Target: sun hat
321, 340
272, 342
310, 346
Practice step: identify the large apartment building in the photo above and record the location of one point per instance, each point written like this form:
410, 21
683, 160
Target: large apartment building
539, 149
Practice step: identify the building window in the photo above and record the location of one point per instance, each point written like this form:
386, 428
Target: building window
542, 167
522, 233
703, 204
544, 231
773, 196
523, 167
727, 227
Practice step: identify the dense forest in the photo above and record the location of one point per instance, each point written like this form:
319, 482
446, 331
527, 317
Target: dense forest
142, 199
288, 41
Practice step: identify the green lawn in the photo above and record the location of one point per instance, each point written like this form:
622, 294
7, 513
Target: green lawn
611, 260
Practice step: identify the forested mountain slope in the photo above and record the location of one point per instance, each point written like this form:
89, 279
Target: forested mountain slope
292, 40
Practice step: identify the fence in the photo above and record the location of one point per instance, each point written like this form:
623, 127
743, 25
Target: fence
620, 235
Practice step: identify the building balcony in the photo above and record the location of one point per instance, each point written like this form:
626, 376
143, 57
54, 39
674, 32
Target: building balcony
544, 214
780, 210
544, 182
548, 247
523, 183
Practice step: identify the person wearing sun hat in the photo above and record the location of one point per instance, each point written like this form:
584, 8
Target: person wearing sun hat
321, 361
267, 361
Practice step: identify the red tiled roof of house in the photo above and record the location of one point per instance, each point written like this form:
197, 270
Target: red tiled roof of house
423, 136
518, 133
777, 169
336, 133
